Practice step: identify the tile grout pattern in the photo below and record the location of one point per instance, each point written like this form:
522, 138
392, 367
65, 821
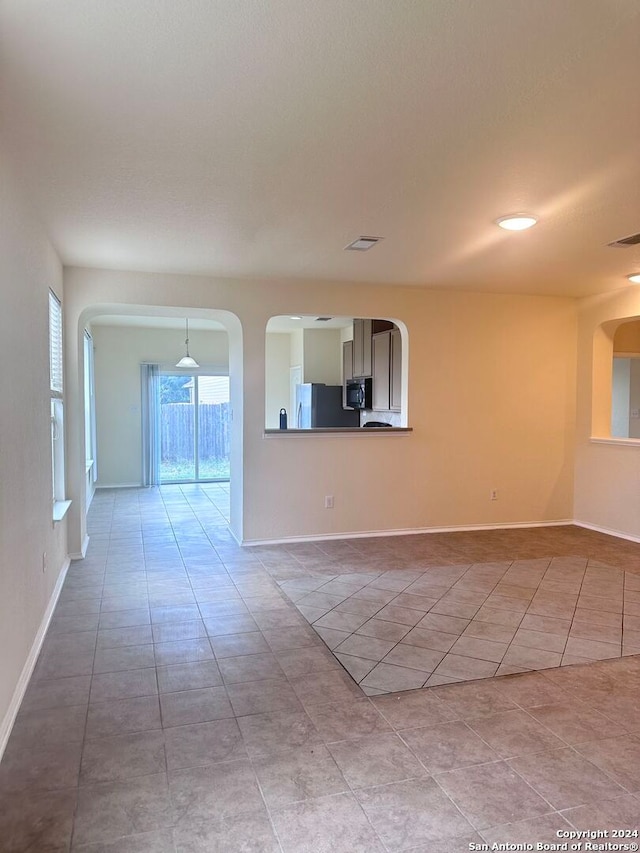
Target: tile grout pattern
404, 629
182, 703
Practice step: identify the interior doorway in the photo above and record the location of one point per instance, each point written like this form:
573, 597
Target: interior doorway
133, 346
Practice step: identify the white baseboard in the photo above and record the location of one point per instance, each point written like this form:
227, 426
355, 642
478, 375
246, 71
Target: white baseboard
323, 537
83, 550
119, 486
619, 534
18, 694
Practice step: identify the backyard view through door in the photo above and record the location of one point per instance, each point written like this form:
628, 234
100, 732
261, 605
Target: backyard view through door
194, 428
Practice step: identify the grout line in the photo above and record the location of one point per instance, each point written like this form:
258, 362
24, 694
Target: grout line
362, 557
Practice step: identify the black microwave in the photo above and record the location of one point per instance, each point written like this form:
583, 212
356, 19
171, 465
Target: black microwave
359, 393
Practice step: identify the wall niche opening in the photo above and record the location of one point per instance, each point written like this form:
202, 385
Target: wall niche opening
303, 353
625, 381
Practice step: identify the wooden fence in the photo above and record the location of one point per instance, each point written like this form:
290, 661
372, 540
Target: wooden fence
177, 431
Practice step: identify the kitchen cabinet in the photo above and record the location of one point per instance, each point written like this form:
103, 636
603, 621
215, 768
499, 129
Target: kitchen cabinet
347, 369
362, 347
363, 330
387, 371
395, 392
381, 358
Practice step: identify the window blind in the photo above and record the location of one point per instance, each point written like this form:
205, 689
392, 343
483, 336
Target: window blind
55, 343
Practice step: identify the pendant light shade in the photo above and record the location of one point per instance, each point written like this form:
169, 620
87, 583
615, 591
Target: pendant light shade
186, 360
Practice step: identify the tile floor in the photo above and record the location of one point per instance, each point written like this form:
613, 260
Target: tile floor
403, 628
183, 703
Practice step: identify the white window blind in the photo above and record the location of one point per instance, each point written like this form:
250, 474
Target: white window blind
55, 343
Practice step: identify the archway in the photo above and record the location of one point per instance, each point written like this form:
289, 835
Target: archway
79, 482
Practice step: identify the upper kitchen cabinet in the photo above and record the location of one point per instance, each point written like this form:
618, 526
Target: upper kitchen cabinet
381, 356
362, 347
347, 368
387, 370
395, 392
363, 331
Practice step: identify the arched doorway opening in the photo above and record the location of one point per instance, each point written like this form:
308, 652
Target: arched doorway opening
124, 337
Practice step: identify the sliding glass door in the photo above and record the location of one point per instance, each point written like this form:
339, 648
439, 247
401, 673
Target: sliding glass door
194, 427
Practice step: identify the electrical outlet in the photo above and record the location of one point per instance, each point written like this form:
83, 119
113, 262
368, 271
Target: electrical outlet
44, 561
494, 494
328, 501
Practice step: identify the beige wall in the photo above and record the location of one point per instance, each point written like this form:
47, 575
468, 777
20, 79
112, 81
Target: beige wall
296, 356
626, 395
277, 356
607, 472
627, 338
118, 353
346, 333
490, 383
322, 356
28, 267
317, 351
620, 397
634, 398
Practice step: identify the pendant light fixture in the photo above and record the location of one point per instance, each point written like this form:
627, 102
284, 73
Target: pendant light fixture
186, 360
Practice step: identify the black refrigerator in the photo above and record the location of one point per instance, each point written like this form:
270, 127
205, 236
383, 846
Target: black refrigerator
319, 405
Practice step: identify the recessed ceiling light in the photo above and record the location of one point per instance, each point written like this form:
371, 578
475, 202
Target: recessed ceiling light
516, 221
295, 318
362, 244
635, 278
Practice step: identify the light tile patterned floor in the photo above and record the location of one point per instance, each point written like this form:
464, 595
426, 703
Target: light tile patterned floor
182, 703
409, 627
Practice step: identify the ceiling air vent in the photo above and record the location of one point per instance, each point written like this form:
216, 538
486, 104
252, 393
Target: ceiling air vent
633, 240
362, 244
323, 319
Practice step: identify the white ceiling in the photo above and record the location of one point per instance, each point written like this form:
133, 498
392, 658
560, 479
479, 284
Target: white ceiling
288, 324
275, 324
143, 322
259, 137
